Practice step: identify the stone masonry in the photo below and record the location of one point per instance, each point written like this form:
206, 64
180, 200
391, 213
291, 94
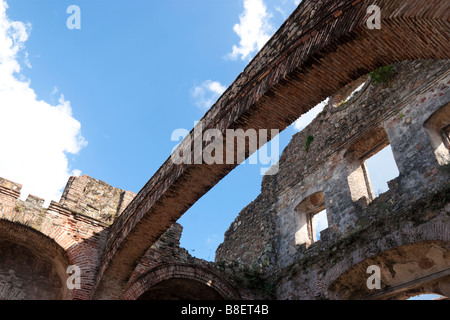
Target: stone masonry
412, 217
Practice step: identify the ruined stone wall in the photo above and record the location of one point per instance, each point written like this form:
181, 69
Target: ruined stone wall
400, 109
250, 236
414, 210
38, 244
71, 232
95, 199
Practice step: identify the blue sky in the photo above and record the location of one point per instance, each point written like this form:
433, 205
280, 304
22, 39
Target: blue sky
104, 100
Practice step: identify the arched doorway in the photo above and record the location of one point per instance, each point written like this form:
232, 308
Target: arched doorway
180, 282
405, 271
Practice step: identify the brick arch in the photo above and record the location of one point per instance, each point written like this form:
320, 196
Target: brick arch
321, 48
170, 271
43, 224
403, 257
46, 259
79, 238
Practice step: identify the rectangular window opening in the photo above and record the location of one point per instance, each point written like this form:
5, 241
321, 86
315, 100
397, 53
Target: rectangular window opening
446, 136
382, 168
311, 219
320, 223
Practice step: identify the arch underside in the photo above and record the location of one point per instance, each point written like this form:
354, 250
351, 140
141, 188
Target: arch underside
180, 289
405, 271
32, 266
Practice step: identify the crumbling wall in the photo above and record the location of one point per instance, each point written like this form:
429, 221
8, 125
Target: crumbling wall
165, 263
327, 158
37, 245
95, 198
71, 232
249, 239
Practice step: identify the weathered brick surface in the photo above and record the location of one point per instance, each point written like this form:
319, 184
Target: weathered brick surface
38, 245
166, 260
9, 192
67, 226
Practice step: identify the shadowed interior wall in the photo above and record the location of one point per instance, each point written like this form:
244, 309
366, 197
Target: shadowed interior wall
25, 274
181, 289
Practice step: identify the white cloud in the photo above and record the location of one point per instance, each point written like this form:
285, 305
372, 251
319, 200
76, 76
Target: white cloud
253, 29
35, 137
308, 117
207, 93
213, 239
54, 91
286, 7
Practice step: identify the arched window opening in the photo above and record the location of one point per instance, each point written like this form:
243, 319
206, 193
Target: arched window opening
438, 129
370, 153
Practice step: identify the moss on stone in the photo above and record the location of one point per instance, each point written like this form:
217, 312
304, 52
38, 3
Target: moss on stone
308, 142
383, 74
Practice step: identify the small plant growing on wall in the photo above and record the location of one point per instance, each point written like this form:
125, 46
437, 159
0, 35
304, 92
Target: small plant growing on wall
308, 142
444, 168
342, 103
383, 74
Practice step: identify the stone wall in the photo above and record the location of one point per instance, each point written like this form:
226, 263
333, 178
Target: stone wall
345, 134
319, 51
37, 245
166, 260
71, 232
95, 199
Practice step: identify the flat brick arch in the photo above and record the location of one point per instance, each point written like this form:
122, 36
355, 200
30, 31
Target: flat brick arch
35, 261
322, 47
166, 272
